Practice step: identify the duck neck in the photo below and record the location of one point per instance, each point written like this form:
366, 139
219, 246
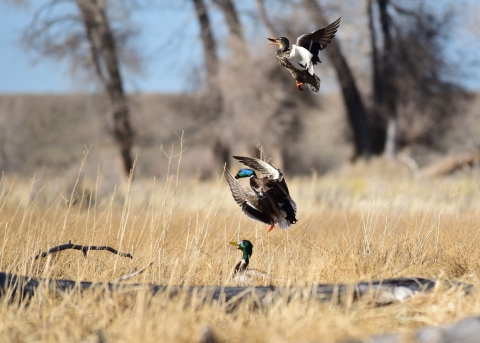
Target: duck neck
241, 266
246, 259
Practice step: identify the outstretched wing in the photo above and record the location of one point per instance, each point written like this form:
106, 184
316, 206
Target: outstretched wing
318, 40
263, 167
279, 192
245, 197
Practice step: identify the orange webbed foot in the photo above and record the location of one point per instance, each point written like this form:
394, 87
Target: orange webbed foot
271, 227
299, 85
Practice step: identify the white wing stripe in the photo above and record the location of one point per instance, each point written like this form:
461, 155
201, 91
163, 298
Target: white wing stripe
301, 56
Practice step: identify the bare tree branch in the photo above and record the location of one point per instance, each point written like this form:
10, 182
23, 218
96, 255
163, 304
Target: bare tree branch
263, 17
403, 10
82, 248
233, 22
239, 44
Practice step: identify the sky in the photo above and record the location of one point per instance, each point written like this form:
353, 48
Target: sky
169, 43
22, 72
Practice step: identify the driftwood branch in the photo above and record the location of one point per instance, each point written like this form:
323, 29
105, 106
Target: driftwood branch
382, 292
451, 164
133, 273
83, 248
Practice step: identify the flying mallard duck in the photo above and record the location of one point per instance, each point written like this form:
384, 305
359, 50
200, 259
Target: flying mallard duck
299, 60
241, 274
268, 199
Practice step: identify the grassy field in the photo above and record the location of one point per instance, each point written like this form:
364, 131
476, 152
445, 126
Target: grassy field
363, 222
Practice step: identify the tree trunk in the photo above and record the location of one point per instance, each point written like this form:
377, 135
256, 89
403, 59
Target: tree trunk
391, 139
104, 56
357, 114
377, 118
221, 149
384, 89
389, 89
208, 43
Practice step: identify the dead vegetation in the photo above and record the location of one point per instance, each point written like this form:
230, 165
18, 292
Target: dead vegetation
48, 134
358, 224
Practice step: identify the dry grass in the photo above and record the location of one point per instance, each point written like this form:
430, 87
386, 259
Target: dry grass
363, 222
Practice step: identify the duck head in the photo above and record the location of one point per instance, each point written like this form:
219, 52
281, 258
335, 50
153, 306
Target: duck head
282, 42
246, 247
244, 172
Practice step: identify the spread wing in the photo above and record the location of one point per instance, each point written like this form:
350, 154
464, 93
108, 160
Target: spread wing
247, 199
301, 57
318, 40
262, 166
282, 199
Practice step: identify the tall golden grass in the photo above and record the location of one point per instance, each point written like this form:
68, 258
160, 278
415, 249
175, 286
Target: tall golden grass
364, 222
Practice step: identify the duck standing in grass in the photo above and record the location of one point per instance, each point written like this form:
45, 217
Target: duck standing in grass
241, 274
299, 60
268, 199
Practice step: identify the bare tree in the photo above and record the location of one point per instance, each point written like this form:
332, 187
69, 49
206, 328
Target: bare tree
246, 78
384, 85
413, 89
212, 63
104, 54
356, 110
85, 36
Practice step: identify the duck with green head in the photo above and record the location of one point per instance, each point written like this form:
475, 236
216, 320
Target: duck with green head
268, 199
241, 274
247, 248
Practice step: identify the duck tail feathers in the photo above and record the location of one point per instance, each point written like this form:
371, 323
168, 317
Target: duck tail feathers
284, 224
316, 86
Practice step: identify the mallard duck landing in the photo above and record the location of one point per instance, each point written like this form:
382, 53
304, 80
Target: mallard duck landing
241, 274
299, 60
268, 199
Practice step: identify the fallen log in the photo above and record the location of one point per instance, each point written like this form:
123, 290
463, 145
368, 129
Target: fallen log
382, 292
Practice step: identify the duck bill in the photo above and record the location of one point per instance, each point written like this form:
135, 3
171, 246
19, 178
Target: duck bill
272, 40
233, 243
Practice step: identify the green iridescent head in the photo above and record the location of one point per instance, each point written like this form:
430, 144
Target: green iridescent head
245, 246
244, 172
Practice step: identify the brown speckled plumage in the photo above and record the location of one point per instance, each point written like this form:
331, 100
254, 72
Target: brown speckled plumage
304, 76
